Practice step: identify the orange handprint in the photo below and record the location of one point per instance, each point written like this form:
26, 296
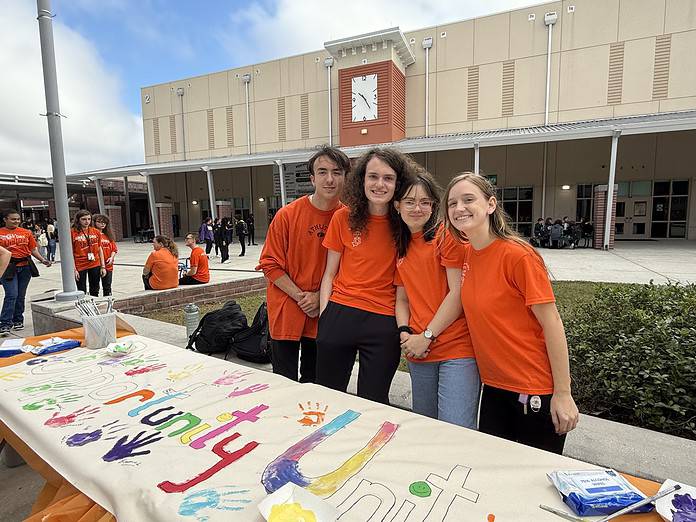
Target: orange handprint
312, 417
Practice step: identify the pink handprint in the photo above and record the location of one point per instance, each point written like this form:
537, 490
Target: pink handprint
83, 414
249, 389
232, 377
145, 369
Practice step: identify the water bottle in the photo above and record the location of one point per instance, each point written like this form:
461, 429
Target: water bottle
191, 318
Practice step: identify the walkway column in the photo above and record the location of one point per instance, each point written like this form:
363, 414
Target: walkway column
126, 196
610, 189
476, 158
211, 191
100, 196
151, 203
281, 177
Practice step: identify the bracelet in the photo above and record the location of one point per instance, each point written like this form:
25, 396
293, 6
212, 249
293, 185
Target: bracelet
405, 329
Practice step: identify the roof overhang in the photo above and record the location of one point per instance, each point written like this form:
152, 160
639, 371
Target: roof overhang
654, 123
393, 35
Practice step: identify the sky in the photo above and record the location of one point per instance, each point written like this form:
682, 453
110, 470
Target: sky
106, 50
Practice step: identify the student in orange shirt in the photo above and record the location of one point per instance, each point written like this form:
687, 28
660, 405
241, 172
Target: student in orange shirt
518, 336
87, 253
293, 260
434, 335
109, 250
16, 273
161, 270
357, 294
198, 272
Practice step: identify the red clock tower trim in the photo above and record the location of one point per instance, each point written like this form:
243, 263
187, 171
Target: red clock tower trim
390, 124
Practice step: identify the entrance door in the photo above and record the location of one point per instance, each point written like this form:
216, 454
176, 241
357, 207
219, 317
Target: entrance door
633, 206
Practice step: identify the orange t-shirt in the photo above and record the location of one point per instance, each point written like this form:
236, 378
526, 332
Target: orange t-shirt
422, 272
499, 285
164, 268
108, 247
84, 242
19, 241
365, 278
200, 260
293, 246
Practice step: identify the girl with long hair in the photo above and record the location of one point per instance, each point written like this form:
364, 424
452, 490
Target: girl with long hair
109, 248
161, 270
517, 333
87, 253
357, 294
433, 331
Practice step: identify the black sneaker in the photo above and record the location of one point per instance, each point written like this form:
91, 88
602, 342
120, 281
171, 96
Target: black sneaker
5, 330
18, 326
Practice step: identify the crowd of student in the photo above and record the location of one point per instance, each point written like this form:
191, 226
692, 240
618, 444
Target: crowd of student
443, 278
221, 232
562, 233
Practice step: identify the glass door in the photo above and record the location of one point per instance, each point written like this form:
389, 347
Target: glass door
633, 205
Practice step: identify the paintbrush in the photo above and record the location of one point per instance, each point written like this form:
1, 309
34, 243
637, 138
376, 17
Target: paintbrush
640, 503
562, 514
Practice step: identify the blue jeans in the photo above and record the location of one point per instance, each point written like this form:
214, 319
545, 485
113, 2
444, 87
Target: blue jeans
51, 249
447, 390
15, 292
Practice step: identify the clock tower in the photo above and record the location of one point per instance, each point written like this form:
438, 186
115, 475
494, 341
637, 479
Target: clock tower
372, 86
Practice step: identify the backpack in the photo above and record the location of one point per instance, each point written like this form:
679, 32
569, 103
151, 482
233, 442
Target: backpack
556, 232
216, 330
253, 344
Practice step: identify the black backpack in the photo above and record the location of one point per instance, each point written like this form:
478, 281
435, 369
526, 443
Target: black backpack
216, 330
253, 344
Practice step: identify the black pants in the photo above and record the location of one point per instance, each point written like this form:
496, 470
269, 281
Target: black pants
241, 240
146, 282
208, 246
188, 280
224, 251
285, 355
106, 283
503, 415
93, 274
251, 236
345, 331
218, 247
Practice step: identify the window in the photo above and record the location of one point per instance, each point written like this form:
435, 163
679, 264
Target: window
669, 209
518, 204
585, 202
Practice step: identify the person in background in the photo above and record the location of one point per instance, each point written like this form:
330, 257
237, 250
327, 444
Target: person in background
17, 273
217, 236
241, 230
227, 237
87, 253
5, 258
522, 354
52, 236
205, 233
250, 229
293, 260
109, 249
42, 241
161, 270
198, 272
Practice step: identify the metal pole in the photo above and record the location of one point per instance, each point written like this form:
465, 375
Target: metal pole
281, 174
476, 158
549, 20
151, 203
610, 189
127, 231
328, 69
100, 196
427, 90
211, 191
543, 181
55, 138
246, 79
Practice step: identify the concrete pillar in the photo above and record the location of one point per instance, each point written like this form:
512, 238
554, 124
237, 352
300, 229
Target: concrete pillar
100, 196
477, 158
113, 212
224, 209
600, 216
127, 230
164, 216
151, 203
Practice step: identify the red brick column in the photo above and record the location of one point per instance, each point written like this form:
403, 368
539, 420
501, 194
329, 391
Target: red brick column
164, 214
51, 209
224, 209
599, 216
113, 212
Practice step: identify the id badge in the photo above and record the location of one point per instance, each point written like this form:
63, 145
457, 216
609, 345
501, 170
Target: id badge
90, 256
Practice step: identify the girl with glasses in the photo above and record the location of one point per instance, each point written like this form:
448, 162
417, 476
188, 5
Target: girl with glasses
109, 249
87, 253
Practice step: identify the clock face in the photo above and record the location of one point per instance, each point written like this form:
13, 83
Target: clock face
364, 97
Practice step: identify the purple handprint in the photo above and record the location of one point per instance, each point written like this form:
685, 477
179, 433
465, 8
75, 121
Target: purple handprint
249, 389
124, 448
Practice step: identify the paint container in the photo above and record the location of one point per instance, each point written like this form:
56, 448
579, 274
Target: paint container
100, 330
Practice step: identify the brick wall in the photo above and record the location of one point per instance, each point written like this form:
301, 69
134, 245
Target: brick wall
178, 297
600, 206
164, 214
113, 212
224, 209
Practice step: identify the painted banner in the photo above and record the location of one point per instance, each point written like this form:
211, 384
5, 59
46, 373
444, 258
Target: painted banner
167, 434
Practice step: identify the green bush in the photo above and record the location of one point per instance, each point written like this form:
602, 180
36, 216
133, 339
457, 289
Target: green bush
633, 356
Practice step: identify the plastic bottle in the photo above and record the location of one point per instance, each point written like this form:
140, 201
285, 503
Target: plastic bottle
191, 318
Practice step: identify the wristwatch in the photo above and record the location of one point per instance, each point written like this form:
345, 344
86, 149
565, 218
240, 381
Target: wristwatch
405, 329
428, 334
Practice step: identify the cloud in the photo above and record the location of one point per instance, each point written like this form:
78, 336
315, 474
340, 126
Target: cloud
98, 132
270, 30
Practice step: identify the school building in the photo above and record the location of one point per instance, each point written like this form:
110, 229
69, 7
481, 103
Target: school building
559, 103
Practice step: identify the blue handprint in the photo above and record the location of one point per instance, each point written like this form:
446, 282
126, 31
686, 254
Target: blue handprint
224, 499
124, 448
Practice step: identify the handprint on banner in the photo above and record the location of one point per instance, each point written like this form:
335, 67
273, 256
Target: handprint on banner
233, 377
222, 498
249, 389
11, 376
184, 373
51, 386
312, 416
77, 417
125, 448
145, 369
85, 437
137, 361
52, 403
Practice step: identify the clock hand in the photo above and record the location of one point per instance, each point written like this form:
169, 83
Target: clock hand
363, 97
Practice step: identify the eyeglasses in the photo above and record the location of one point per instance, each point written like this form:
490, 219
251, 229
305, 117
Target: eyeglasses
410, 204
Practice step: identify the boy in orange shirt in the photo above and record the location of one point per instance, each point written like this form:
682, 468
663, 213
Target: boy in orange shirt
293, 260
198, 272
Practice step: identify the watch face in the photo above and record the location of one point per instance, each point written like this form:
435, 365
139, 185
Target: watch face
364, 97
